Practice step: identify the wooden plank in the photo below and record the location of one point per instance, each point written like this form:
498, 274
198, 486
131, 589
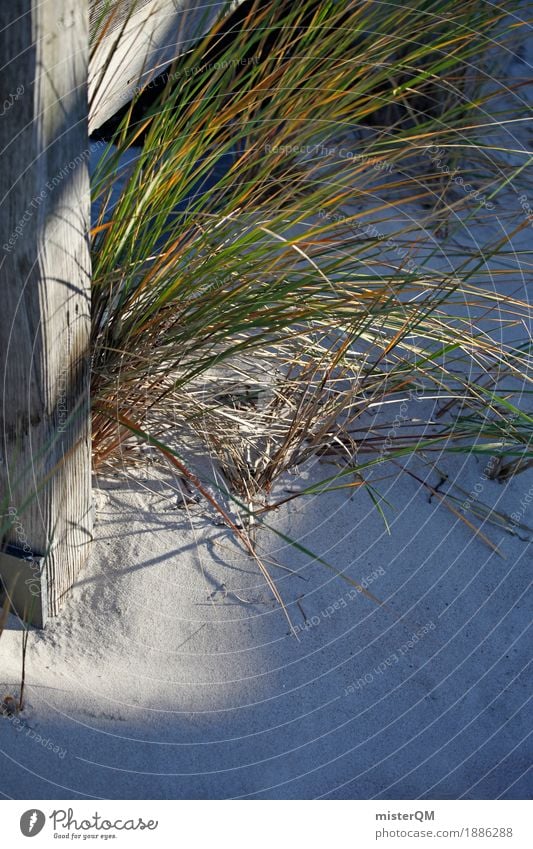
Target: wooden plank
135, 41
22, 582
45, 283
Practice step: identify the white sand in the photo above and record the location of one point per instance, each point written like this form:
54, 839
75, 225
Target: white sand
159, 687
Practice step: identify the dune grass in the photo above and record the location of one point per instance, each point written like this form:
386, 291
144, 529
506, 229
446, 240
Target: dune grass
265, 314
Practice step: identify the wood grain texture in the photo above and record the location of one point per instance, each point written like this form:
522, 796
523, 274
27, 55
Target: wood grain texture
45, 284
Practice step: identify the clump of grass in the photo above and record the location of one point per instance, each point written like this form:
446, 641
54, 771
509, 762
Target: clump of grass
249, 310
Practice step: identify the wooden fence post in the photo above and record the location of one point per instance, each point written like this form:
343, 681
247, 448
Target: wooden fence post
45, 471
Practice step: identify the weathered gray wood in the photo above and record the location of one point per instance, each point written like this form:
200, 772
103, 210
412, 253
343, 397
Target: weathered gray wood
45, 285
134, 41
